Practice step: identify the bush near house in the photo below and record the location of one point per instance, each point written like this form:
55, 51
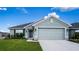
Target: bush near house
16, 36
19, 35
75, 37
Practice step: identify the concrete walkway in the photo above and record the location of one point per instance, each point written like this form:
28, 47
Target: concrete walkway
58, 45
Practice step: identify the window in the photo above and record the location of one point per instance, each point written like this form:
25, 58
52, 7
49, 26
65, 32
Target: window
19, 31
3, 35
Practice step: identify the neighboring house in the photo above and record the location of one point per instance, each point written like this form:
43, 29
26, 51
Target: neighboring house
3, 35
50, 28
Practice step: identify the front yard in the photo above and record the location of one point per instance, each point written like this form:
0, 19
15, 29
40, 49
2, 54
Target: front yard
19, 45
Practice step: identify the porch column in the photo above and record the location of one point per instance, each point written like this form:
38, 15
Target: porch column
14, 32
24, 32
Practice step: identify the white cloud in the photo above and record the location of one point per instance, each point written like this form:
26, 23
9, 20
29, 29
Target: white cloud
53, 14
45, 17
64, 9
4, 9
22, 10
4, 29
9, 24
67, 8
53, 8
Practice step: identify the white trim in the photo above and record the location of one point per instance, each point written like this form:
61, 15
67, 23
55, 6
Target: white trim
39, 21
28, 25
50, 27
32, 23
65, 33
65, 22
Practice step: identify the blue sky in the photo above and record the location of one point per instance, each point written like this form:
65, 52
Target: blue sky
10, 16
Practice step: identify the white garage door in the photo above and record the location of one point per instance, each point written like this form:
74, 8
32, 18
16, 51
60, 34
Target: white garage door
51, 34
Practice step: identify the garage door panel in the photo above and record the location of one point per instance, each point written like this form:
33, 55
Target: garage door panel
51, 34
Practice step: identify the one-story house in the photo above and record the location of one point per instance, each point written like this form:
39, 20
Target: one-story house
50, 28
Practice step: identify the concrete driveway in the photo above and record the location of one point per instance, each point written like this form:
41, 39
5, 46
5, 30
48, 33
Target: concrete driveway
58, 45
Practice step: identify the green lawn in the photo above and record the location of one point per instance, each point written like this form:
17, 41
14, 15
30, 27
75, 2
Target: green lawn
19, 45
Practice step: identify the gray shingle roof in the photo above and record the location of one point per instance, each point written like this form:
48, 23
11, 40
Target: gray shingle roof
20, 26
75, 25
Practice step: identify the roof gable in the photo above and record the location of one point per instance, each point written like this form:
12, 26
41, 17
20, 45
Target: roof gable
51, 17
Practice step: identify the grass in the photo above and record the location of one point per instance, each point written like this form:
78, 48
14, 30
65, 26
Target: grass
19, 45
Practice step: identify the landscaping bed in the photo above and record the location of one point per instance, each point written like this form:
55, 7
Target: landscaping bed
19, 45
74, 40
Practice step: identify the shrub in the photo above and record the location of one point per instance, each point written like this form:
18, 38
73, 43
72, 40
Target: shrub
75, 37
17, 36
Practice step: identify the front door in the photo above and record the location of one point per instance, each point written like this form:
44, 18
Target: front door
30, 33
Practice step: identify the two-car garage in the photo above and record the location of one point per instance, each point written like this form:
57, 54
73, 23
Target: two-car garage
51, 33
47, 30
